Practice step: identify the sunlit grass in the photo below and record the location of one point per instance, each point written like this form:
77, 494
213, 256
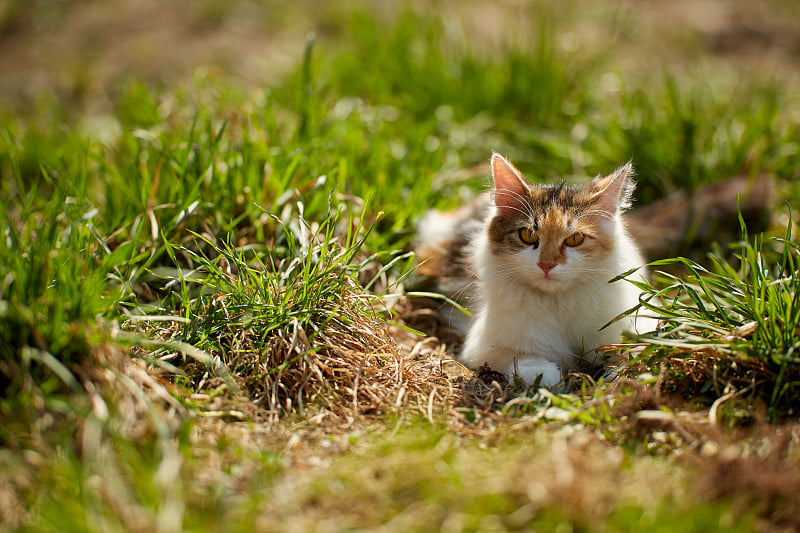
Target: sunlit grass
243, 245
744, 313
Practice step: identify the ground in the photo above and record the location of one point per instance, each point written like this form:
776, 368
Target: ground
211, 322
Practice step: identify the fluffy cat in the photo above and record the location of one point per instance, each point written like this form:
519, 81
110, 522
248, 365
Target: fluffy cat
542, 258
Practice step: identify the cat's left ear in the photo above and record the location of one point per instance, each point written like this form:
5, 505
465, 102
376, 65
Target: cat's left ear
612, 193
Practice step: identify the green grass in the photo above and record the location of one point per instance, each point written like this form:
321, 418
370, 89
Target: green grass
747, 313
229, 238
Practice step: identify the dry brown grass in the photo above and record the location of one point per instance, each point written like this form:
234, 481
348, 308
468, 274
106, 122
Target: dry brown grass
352, 369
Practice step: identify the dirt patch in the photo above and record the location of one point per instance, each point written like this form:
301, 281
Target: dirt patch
82, 49
752, 31
79, 50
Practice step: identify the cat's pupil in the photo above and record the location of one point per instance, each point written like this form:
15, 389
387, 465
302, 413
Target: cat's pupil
574, 240
528, 237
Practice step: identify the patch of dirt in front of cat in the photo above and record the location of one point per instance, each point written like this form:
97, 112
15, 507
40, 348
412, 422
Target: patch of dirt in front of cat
488, 376
427, 316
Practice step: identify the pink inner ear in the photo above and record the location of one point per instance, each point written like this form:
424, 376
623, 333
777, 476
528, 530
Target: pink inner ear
510, 188
613, 192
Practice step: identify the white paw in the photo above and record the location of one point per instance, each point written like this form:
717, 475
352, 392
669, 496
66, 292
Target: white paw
532, 368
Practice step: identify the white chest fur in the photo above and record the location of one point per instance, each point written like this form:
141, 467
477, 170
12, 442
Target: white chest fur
518, 329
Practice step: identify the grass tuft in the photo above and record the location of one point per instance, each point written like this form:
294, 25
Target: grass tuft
291, 321
730, 329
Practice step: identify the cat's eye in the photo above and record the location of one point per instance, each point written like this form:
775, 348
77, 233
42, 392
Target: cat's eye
528, 237
575, 239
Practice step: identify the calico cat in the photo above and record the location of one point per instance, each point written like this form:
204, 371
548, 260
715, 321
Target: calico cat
537, 261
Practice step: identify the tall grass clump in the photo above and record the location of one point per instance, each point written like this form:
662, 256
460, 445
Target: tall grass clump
291, 320
731, 329
68, 391
52, 287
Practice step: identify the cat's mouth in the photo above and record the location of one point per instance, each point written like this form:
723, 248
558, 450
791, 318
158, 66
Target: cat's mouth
548, 281
550, 275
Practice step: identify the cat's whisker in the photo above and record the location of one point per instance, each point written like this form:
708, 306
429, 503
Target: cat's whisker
527, 211
463, 294
511, 194
524, 201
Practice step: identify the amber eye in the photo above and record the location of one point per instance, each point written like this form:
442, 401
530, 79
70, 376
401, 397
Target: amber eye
527, 236
575, 239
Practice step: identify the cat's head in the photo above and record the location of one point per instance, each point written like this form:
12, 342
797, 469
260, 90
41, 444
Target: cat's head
554, 237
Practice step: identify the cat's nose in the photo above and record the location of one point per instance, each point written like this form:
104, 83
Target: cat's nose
546, 267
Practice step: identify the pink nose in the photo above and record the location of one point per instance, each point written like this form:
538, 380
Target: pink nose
546, 267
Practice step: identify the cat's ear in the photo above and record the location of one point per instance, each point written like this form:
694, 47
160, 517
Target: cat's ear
510, 188
612, 193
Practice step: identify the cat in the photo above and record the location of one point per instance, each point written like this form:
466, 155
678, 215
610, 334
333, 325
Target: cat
537, 261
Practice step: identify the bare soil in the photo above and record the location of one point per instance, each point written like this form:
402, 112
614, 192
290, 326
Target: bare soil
81, 50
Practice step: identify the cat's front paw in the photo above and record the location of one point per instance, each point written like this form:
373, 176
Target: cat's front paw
530, 369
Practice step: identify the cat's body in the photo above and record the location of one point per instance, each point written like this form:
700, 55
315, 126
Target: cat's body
542, 258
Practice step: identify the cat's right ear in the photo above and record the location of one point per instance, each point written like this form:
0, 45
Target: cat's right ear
510, 188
